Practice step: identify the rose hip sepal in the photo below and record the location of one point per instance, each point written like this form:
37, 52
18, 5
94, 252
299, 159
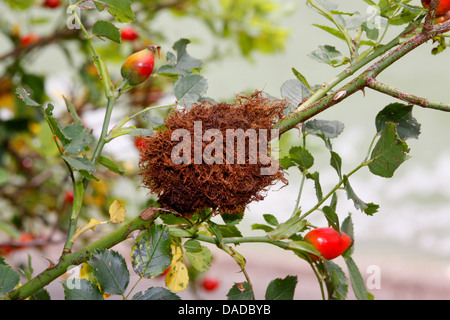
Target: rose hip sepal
139, 66
329, 242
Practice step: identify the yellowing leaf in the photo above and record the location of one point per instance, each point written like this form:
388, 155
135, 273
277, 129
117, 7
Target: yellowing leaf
177, 278
117, 212
88, 225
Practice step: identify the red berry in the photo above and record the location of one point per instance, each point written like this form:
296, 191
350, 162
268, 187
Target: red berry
443, 18
52, 3
29, 39
442, 8
210, 284
139, 66
139, 142
129, 34
68, 197
329, 242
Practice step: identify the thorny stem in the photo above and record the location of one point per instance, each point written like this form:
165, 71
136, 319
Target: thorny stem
82, 255
319, 101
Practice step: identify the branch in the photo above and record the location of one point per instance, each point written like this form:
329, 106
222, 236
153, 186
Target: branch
396, 93
308, 109
144, 221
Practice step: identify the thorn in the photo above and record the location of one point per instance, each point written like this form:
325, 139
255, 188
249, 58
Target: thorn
52, 264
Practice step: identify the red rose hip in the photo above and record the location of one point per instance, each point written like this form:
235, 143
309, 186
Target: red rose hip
329, 242
52, 3
139, 66
128, 34
442, 8
210, 284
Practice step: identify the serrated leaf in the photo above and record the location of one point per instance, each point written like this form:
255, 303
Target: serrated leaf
389, 152
240, 291
117, 212
335, 32
110, 270
400, 114
150, 255
79, 139
281, 289
367, 208
301, 78
156, 293
336, 163
347, 228
271, 219
303, 247
106, 29
111, 165
85, 291
301, 157
200, 260
182, 63
189, 89
287, 229
315, 177
177, 277
295, 92
9, 279
357, 281
119, 9
25, 97
332, 217
82, 165
324, 128
260, 226
339, 280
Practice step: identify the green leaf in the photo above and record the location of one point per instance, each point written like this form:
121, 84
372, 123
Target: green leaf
260, 226
315, 177
85, 291
339, 280
189, 89
303, 247
301, 78
106, 29
347, 228
336, 163
282, 289
110, 270
295, 91
367, 208
302, 157
287, 229
324, 128
9, 279
389, 152
400, 114
82, 165
271, 219
25, 97
335, 32
231, 219
151, 253
357, 281
119, 9
200, 260
156, 293
332, 217
182, 63
240, 291
111, 165
79, 139
329, 55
